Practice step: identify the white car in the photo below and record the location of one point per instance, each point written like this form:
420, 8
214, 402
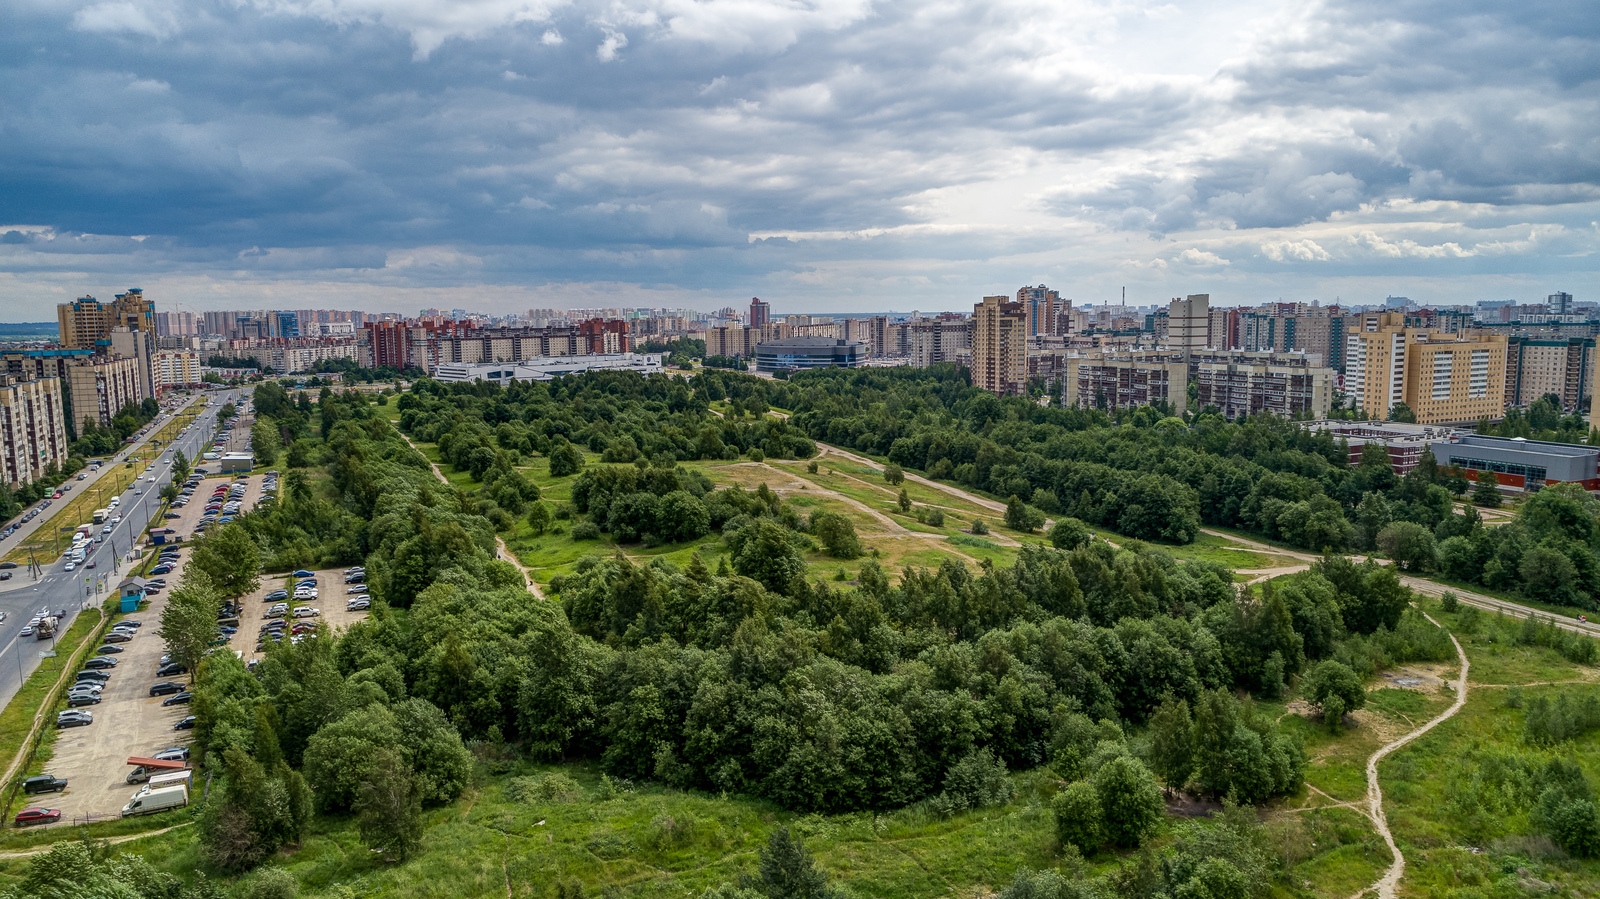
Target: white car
70, 565
306, 612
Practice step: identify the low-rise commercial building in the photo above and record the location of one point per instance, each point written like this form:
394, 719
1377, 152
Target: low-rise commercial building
1521, 464
797, 353
503, 373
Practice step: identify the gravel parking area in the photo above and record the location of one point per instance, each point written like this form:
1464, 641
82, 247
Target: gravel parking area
128, 721
189, 516
332, 592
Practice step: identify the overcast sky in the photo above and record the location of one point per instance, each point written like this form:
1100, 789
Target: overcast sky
826, 155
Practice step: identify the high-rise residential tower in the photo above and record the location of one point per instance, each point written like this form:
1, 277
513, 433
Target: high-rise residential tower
1000, 346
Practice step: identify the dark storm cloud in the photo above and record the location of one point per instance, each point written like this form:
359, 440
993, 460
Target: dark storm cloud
649, 140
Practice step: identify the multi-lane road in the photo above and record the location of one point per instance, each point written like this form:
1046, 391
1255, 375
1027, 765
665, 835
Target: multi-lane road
23, 596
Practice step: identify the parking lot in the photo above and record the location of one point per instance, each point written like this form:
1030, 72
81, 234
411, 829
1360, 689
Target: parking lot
128, 721
332, 592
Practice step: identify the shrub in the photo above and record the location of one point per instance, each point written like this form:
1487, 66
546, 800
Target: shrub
1449, 602
1078, 817
979, 779
979, 528
585, 530
552, 787
270, 883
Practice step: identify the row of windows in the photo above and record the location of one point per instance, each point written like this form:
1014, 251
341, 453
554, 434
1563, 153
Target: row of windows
1532, 472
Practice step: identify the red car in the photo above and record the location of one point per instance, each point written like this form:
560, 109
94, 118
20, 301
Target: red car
38, 816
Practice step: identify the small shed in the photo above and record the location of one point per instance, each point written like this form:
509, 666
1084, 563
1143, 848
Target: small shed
131, 592
235, 462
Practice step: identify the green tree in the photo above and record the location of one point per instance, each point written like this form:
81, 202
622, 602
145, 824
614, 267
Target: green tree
226, 412
682, 517
1486, 493
538, 517
230, 558
264, 440
836, 533
565, 459
1079, 817
767, 553
1021, 517
388, 807
894, 474
1331, 682
299, 455
180, 466
189, 621
787, 871
1172, 742
903, 501
1402, 412
339, 756
1067, 533
1130, 800
1409, 544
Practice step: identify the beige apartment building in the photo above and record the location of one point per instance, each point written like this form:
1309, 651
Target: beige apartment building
1536, 366
33, 433
176, 368
87, 323
102, 386
1000, 346
1444, 378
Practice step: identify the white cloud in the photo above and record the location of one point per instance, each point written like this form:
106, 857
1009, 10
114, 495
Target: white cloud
152, 19
552, 38
613, 43
1202, 258
1303, 250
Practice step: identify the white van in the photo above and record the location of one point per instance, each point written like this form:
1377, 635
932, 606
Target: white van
161, 781
156, 801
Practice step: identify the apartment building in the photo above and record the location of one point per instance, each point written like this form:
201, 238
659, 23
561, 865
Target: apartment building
1042, 306
33, 434
1188, 320
177, 368
1536, 366
1107, 381
999, 346
101, 385
944, 339
1444, 378
760, 312
86, 323
1250, 386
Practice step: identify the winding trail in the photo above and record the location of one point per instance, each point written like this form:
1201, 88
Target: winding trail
110, 841
500, 544
1387, 884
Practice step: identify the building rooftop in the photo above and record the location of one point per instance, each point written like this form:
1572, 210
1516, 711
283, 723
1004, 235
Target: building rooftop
808, 343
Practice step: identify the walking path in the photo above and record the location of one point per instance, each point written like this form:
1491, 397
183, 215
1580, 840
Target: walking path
500, 545
110, 841
1386, 885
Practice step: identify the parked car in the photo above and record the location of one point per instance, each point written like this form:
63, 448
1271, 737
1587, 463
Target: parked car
304, 573
306, 612
108, 649
74, 718
164, 688
184, 724
171, 669
276, 594
76, 699
357, 605
357, 589
44, 783
178, 698
36, 815
172, 754
101, 662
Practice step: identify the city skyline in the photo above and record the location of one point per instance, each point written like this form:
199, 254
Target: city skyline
831, 157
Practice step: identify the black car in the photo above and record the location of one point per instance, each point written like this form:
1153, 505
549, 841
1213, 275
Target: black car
171, 669
184, 724
44, 783
93, 674
178, 698
101, 662
130, 622
109, 649
165, 687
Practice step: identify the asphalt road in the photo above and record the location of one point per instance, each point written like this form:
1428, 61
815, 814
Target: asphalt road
59, 589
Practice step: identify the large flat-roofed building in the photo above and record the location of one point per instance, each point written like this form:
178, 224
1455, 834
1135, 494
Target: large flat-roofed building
1188, 321
86, 322
797, 353
1240, 388
503, 373
1098, 381
1443, 378
101, 386
1521, 464
1518, 464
